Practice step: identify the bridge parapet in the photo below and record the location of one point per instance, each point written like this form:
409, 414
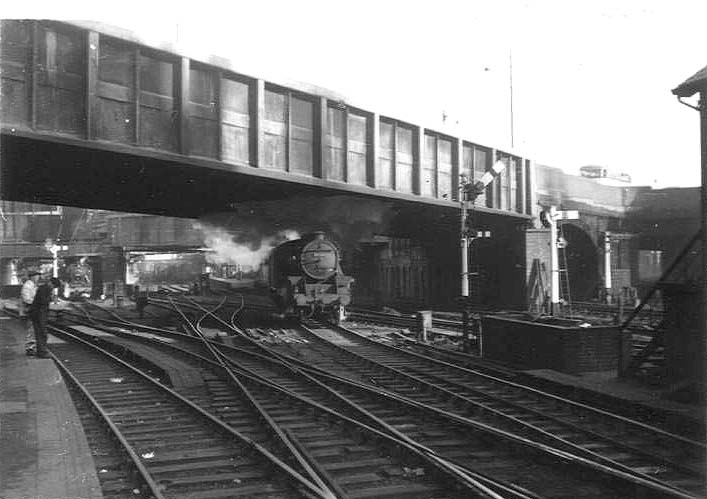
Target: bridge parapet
73, 83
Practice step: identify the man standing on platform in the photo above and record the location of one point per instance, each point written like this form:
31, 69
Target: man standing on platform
39, 313
29, 289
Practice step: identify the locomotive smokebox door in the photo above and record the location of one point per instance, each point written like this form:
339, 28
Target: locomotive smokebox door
320, 258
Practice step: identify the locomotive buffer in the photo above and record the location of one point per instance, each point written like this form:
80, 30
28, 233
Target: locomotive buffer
469, 191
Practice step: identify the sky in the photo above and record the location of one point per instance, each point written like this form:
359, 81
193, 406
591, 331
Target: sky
591, 81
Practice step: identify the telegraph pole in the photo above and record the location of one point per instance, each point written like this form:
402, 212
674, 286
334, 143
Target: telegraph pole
510, 80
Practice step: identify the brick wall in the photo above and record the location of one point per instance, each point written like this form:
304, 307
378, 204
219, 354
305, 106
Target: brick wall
533, 345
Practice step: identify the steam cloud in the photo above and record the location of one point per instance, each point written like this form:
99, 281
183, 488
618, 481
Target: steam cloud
246, 235
227, 251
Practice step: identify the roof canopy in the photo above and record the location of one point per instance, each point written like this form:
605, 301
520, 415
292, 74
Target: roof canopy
694, 84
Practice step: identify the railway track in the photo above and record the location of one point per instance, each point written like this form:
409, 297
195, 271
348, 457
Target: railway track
636, 411
118, 471
448, 427
179, 449
355, 461
619, 442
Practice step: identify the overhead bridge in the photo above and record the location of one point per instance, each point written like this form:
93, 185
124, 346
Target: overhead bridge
94, 117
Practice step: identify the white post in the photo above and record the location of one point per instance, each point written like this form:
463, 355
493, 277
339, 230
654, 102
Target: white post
607, 266
55, 260
554, 266
464, 245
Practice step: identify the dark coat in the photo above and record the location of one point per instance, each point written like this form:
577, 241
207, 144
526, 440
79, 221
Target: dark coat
41, 300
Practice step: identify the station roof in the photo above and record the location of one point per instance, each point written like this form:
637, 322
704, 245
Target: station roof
694, 84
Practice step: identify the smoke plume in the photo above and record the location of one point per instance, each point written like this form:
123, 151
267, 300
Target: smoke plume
248, 255
255, 228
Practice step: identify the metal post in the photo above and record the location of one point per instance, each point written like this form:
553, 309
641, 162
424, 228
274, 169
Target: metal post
464, 245
464, 235
55, 261
607, 266
703, 158
703, 140
510, 81
54, 249
554, 266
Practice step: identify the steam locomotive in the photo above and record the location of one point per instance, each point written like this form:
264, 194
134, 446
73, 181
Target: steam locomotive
306, 278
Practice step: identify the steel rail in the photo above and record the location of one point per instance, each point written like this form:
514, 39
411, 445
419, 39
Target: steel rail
471, 480
308, 486
655, 486
576, 448
600, 412
661, 488
658, 483
144, 474
475, 482
387, 428
303, 461
535, 391
632, 477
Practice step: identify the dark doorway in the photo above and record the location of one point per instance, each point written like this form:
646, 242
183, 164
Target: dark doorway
582, 263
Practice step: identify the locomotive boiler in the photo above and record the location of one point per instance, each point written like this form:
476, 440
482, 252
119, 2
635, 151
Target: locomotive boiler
306, 278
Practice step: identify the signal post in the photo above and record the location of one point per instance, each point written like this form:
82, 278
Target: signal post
550, 219
469, 191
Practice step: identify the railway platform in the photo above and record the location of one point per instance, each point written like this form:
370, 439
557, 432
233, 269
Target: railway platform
45, 454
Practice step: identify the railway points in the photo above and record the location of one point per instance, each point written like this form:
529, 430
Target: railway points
263, 294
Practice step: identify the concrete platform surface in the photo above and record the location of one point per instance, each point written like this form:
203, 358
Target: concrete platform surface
44, 453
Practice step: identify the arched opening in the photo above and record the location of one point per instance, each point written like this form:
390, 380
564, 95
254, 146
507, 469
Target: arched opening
582, 263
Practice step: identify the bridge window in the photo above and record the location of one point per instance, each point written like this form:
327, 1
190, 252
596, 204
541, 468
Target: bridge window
386, 156
528, 188
115, 92
444, 169
158, 124
403, 159
509, 193
467, 164
302, 136
135, 96
235, 121
481, 164
61, 81
502, 198
518, 185
395, 157
512, 186
15, 50
203, 113
437, 167
275, 131
429, 167
357, 149
289, 132
347, 146
335, 144
474, 166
